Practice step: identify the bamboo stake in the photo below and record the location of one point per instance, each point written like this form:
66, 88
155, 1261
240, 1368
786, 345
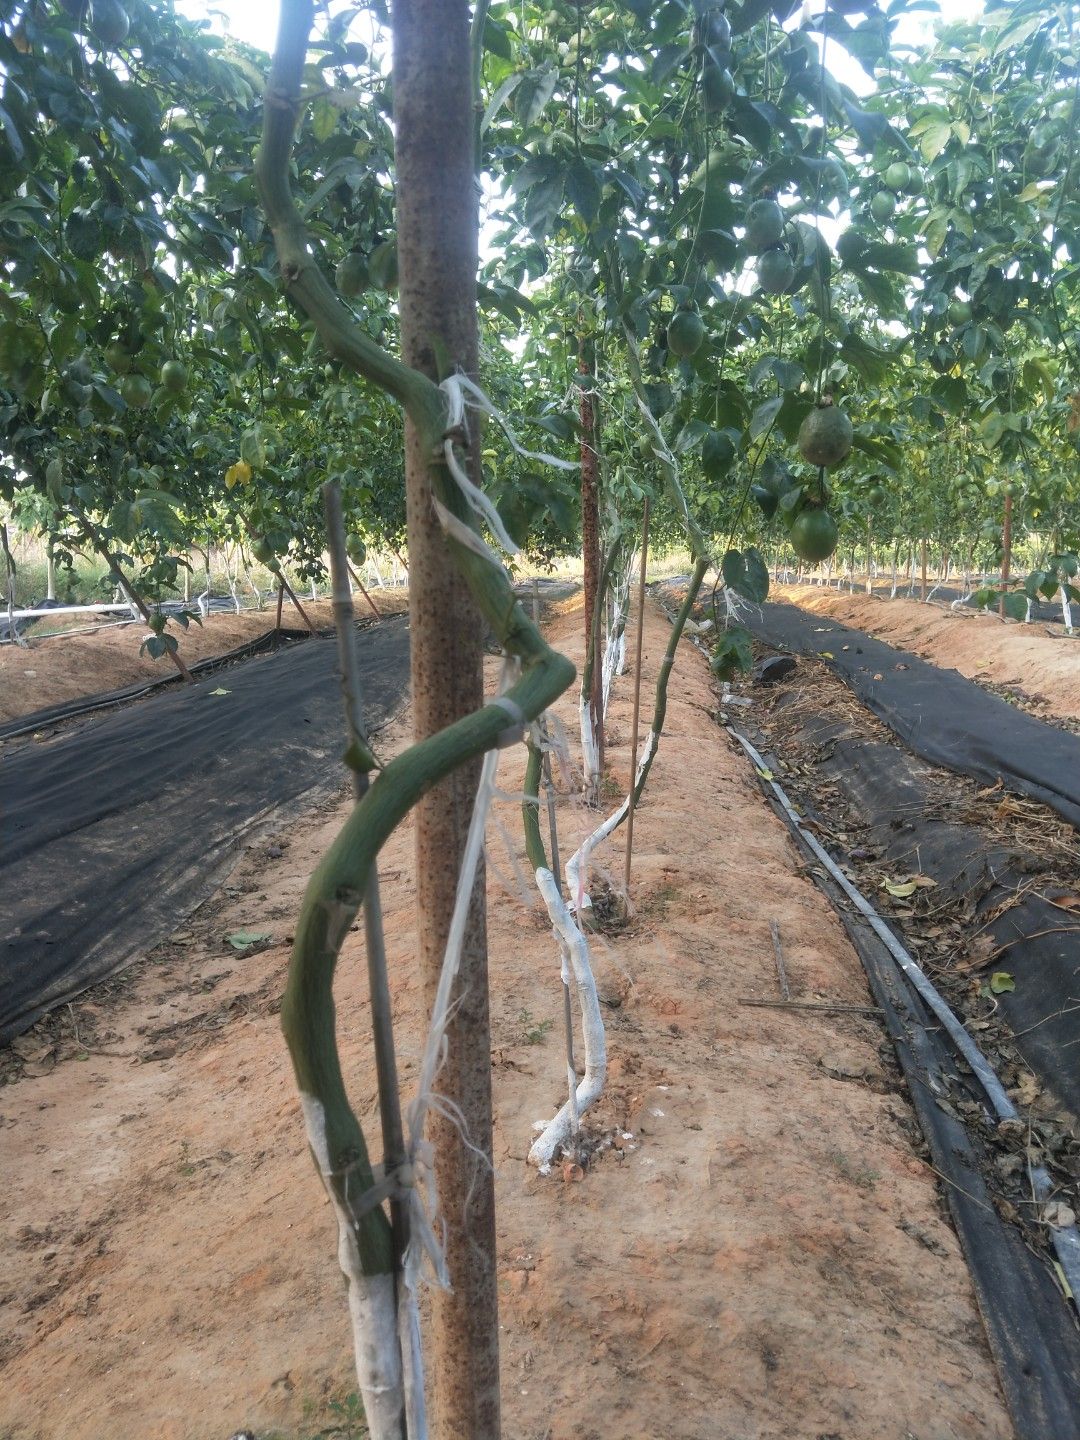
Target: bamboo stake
823, 1007
382, 1024
367, 597
1006, 552
637, 698
277, 622
556, 870
781, 968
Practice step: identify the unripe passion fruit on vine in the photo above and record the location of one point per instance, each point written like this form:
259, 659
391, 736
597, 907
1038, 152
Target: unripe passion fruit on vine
351, 275
136, 391
825, 436
764, 226
174, 376
883, 206
960, 313
109, 23
717, 453
685, 334
717, 87
776, 271
814, 534
117, 358
876, 496
898, 175
356, 550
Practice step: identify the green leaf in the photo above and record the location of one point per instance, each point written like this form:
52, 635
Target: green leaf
1016, 605
584, 190
534, 94
731, 653
764, 417
245, 939
934, 139
1002, 983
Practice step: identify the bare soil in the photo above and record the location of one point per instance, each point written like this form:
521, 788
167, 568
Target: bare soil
1039, 664
64, 668
760, 1250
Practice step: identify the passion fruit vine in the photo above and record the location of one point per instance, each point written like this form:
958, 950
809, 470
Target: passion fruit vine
825, 436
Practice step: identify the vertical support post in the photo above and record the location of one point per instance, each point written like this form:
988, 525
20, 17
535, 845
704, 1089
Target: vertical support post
437, 236
277, 619
922, 562
1006, 552
637, 698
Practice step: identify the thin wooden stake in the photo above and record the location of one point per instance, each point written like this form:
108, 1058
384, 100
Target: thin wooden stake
781, 969
1006, 552
280, 603
556, 870
637, 699
367, 597
293, 597
823, 1007
922, 583
378, 983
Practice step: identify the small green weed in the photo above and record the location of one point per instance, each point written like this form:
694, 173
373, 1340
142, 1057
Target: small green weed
533, 1032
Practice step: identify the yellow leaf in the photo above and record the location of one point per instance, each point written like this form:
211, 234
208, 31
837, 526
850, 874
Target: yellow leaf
765, 774
900, 891
238, 474
826, 655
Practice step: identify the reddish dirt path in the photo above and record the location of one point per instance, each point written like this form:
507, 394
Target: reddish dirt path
1037, 660
767, 1256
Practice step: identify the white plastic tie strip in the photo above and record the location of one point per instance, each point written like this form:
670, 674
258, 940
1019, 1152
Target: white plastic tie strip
462, 393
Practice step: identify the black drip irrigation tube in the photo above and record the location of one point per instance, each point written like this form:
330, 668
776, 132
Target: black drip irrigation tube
1029, 1325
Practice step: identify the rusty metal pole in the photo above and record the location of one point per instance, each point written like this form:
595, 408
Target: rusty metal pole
637, 697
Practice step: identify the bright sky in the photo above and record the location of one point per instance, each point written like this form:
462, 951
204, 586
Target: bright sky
256, 21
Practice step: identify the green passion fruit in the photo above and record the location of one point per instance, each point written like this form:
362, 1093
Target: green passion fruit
960, 313
136, 391
825, 436
117, 358
764, 226
883, 206
776, 271
174, 376
717, 453
109, 23
898, 175
351, 276
717, 87
685, 334
814, 534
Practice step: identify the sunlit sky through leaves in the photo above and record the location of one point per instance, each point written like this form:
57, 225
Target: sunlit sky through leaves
256, 22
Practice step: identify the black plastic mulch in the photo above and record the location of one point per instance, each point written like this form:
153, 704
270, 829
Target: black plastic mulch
113, 832
941, 715
1031, 1334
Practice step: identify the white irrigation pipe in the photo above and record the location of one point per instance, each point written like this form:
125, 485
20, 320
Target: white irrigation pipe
575, 949
1065, 1238
48, 611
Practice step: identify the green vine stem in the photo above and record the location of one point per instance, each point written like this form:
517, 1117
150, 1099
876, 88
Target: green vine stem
336, 889
577, 865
